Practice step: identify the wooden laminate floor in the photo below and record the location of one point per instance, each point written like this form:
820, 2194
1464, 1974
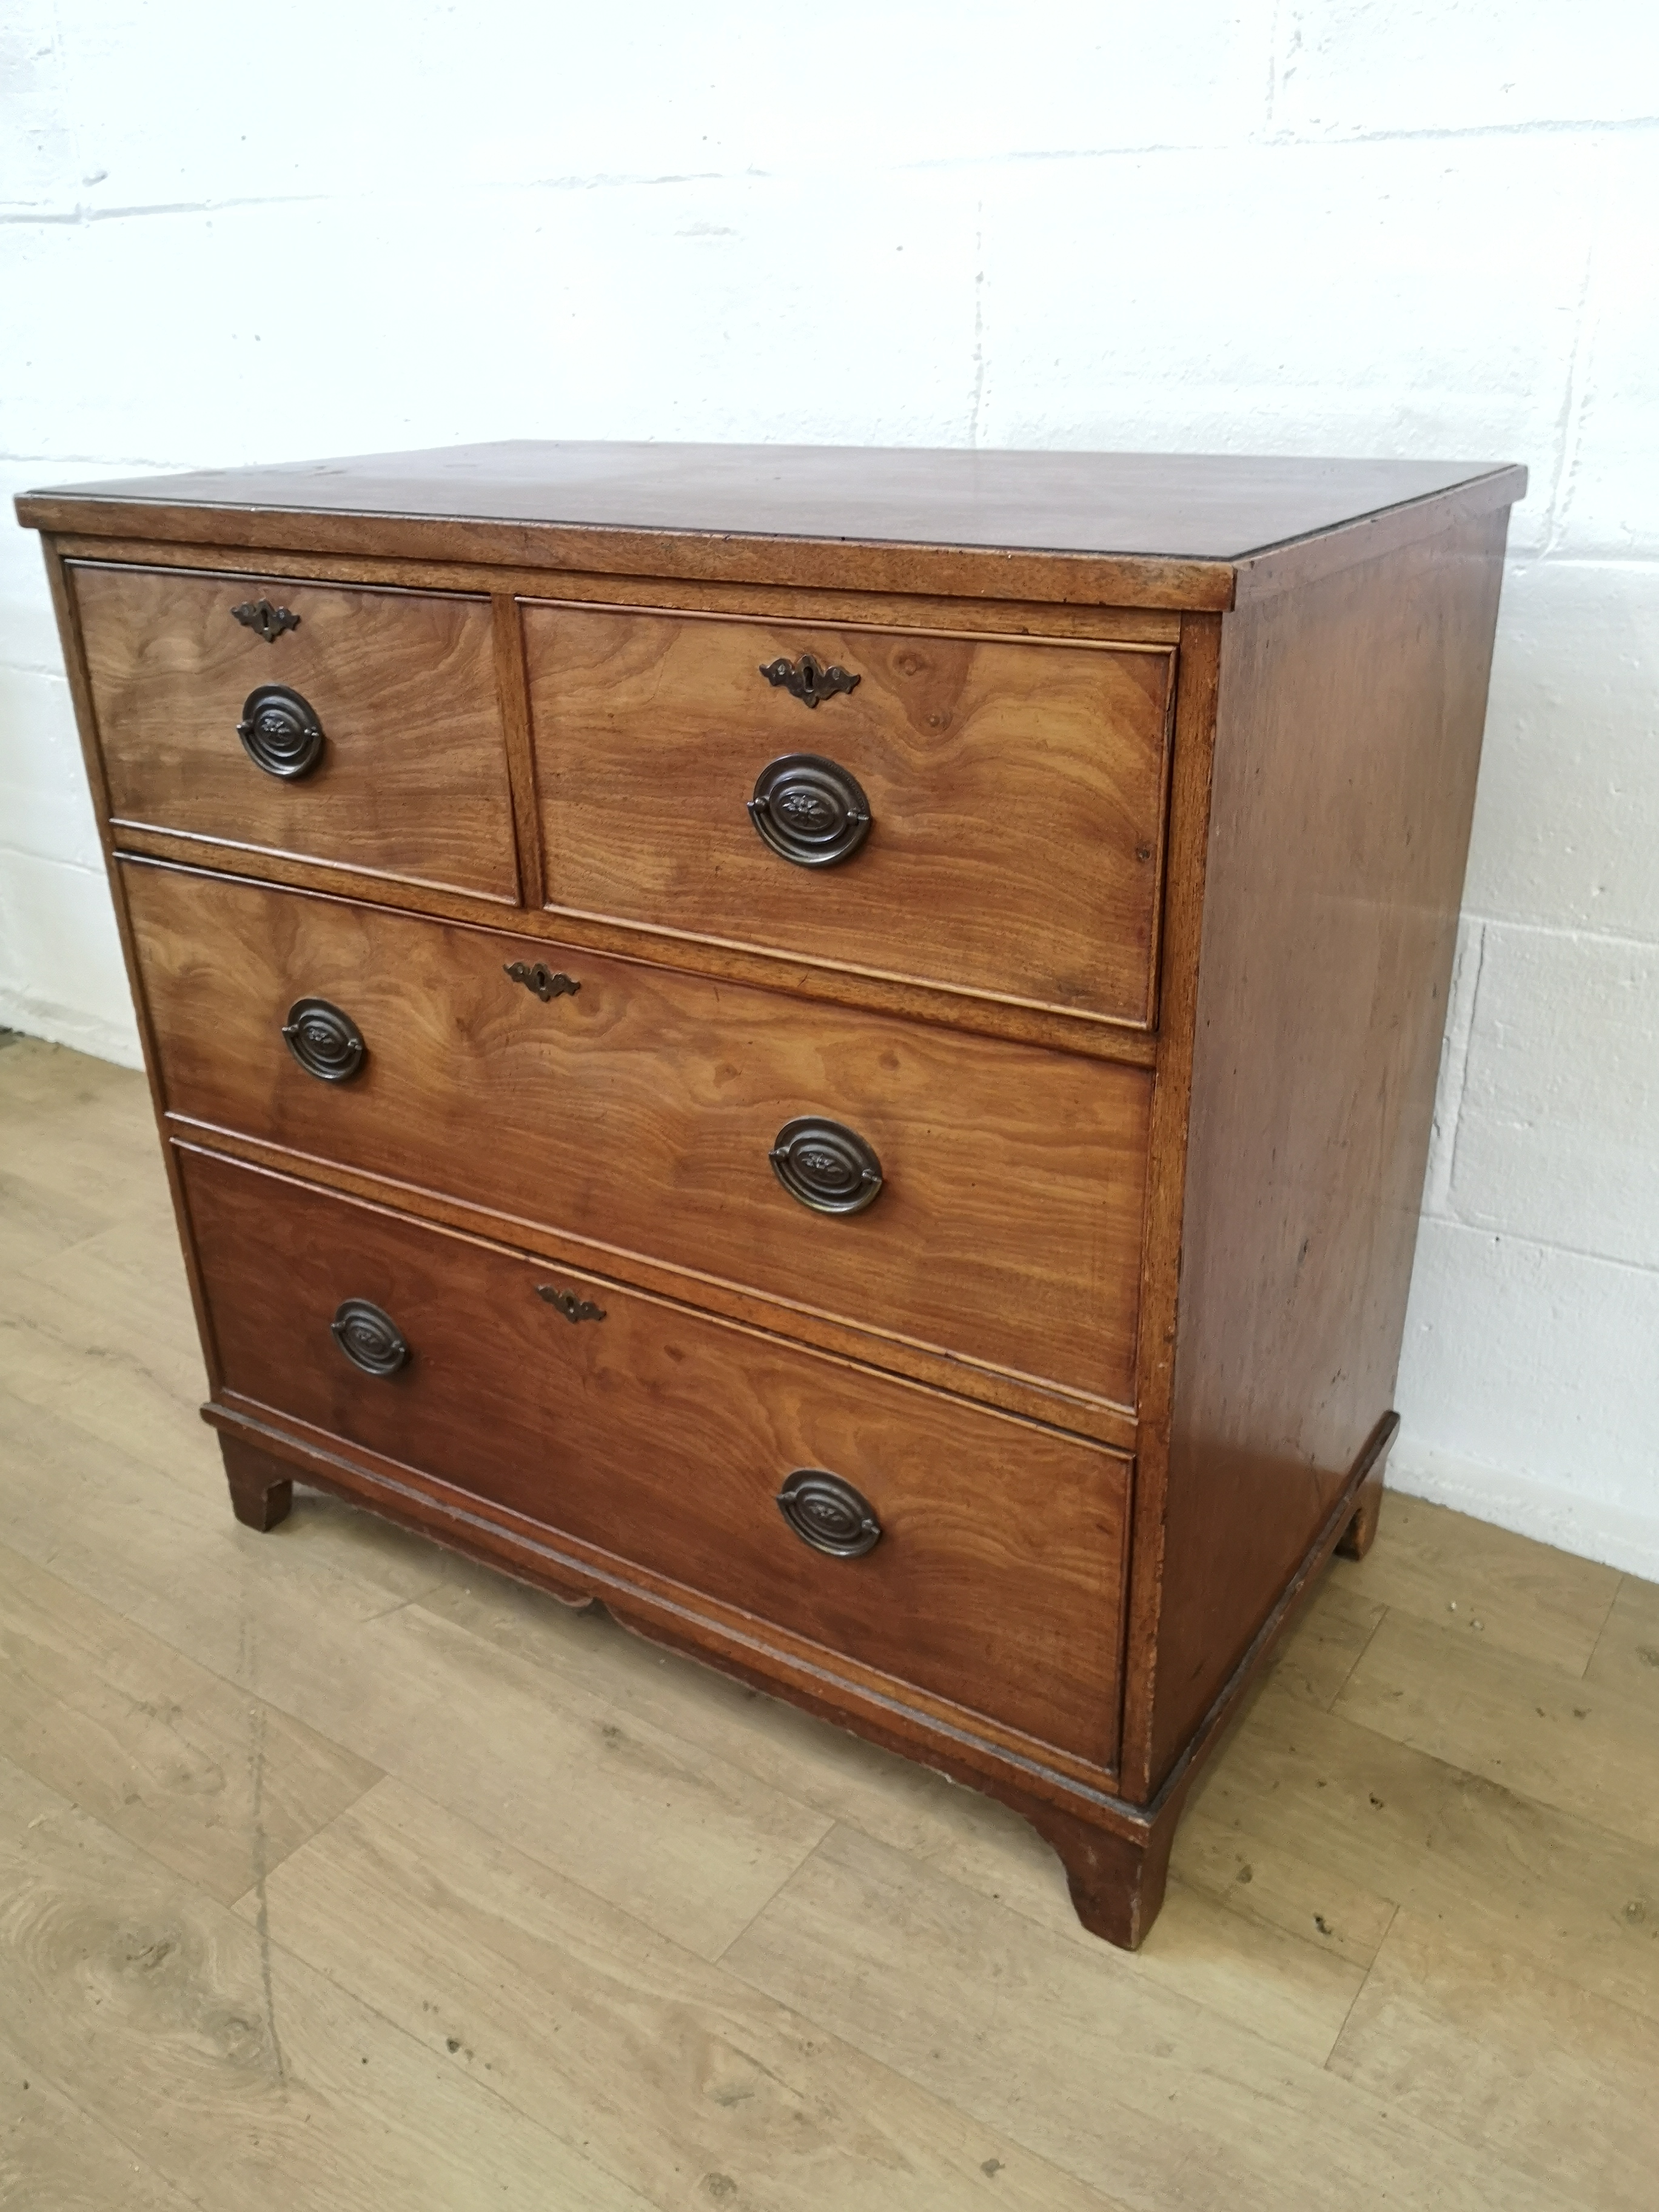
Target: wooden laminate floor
336, 1873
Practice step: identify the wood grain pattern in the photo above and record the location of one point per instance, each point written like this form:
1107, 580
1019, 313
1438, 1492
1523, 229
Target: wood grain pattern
1440, 1690
1126, 529
1497, 1587
1268, 1013
1509, 2059
412, 782
162, 1752
577, 1826
1331, 902
803, 976
638, 1114
680, 2068
1095, 2069
1016, 791
236, 2073
1044, 617
662, 1439
52, 2152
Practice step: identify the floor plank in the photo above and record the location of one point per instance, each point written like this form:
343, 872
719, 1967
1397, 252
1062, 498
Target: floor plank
55, 2157
597, 2027
215, 1784
1509, 2058
1586, 1748
1510, 1593
1254, 1876
692, 1947
1626, 1655
1134, 2089
1295, 1993
243, 2077
1324, 1647
1454, 1846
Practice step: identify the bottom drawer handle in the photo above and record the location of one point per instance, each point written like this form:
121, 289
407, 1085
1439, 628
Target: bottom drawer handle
572, 1307
368, 1338
828, 1514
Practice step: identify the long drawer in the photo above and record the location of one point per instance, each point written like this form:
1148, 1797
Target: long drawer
642, 1111
976, 1556
356, 728
981, 813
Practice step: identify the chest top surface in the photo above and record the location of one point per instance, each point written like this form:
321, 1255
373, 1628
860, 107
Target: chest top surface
1187, 506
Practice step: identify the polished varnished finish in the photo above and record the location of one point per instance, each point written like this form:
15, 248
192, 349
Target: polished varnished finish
1016, 795
1349, 735
410, 777
660, 1440
639, 1113
1166, 530
1097, 942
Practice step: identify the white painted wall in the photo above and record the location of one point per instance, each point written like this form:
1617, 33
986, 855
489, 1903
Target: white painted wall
1362, 226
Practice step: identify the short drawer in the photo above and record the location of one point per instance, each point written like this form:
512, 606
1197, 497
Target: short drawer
665, 1439
1014, 792
207, 690
641, 1110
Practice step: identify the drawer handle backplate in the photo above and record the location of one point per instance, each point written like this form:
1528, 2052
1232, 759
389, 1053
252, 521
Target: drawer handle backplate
540, 978
326, 1041
809, 810
368, 1338
807, 679
826, 1165
280, 732
828, 1514
567, 1302
269, 622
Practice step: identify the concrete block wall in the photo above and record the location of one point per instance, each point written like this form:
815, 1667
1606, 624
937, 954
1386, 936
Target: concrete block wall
1359, 226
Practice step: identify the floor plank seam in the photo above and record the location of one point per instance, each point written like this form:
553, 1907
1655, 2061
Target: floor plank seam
1606, 1620
767, 1902
1347, 1677
1364, 1985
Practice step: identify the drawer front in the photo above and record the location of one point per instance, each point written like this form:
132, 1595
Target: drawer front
1014, 790
665, 1438
640, 1111
409, 777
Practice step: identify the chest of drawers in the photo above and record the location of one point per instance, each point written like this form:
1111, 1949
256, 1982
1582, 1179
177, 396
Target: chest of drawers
832, 1050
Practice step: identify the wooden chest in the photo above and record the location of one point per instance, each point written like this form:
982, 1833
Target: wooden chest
832, 1050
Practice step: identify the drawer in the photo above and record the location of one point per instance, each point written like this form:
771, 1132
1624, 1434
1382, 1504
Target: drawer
640, 1111
1015, 792
410, 778
663, 1439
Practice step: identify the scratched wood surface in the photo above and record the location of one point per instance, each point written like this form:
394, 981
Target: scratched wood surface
336, 1873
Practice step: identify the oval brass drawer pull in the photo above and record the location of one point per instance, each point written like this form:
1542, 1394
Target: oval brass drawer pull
826, 1165
828, 1514
280, 732
809, 810
324, 1039
368, 1338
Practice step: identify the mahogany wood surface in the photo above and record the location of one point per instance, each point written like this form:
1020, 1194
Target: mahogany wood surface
663, 1438
261, 1487
1138, 528
1016, 793
412, 781
639, 1111
1208, 1218
1348, 741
